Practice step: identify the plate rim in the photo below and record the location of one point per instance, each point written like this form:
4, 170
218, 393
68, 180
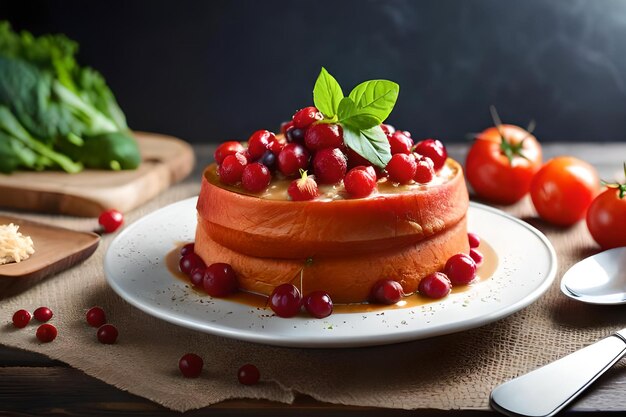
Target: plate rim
376, 339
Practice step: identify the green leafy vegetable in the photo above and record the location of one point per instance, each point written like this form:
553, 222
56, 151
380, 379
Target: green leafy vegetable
54, 113
370, 143
327, 94
376, 97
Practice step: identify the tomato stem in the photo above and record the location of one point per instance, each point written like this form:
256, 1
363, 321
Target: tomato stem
510, 150
620, 187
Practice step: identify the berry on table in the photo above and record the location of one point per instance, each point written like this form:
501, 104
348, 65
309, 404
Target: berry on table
401, 168
111, 220
46, 333
329, 166
460, 269
259, 142
190, 365
43, 314
285, 300
107, 334
21, 318
360, 181
231, 169
433, 149
306, 117
424, 169
220, 280
96, 317
436, 285
227, 148
473, 239
323, 135
256, 177
400, 143
386, 291
188, 248
304, 188
477, 256
292, 158
248, 374
190, 262
318, 304
196, 276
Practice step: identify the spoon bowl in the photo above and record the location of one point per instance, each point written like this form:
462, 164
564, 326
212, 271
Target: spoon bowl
599, 279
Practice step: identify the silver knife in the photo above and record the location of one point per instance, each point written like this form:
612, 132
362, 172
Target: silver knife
546, 390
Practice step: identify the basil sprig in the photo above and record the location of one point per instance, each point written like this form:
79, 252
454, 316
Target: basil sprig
360, 114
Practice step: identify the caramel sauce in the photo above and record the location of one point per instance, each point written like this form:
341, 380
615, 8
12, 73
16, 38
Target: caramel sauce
484, 272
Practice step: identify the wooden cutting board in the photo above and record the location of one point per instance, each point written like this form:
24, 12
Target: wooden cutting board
165, 161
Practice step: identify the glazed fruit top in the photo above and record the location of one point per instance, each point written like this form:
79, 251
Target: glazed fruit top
339, 148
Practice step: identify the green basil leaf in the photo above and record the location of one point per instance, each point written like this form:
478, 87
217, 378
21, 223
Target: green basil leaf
375, 97
371, 144
350, 114
327, 94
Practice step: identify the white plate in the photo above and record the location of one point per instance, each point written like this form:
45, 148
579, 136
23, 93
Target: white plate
135, 269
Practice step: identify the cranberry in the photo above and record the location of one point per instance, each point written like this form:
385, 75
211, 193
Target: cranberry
190, 365
276, 146
388, 129
401, 168
259, 142
303, 189
227, 148
360, 181
111, 220
323, 135
461, 269
318, 304
292, 159
21, 318
188, 248
477, 256
231, 169
285, 300
269, 160
305, 117
256, 177
355, 160
46, 333
42, 314
433, 149
190, 262
435, 286
248, 374
473, 239
329, 165
196, 276
296, 135
424, 170
220, 280
400, 143
387, 291
107, 334
96, 317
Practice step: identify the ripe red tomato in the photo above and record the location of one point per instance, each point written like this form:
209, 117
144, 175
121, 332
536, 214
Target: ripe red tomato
606, 219
563, 189
500, 167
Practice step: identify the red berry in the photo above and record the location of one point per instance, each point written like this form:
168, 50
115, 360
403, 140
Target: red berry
386, 291
285, 300
248, 374
360, 181
46, 333
188, 248
473, 239
190, 365
196, 276
111, 220
292, 159
401, 168
355, 160
433, 149
284, 126
388, 129
96, 317
318, 304
42, 314
323, 135
305, 117
424, 170
107, 334
256, 177
259, 142
303, 189
275, 147
227, 148
190, 262
460, 269
476, 256
21, 318
400, 143
435, 285
231, 169
220, 280
329, 165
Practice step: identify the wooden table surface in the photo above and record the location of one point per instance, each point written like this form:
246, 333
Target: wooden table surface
32, 384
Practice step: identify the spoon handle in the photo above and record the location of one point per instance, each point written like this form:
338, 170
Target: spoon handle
546, 390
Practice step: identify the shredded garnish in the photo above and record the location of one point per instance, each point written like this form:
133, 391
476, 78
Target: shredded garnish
14, 247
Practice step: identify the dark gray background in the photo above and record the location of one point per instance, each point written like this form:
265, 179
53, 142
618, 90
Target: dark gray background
217, 70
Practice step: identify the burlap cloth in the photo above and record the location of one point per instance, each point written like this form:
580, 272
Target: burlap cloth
448, 372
